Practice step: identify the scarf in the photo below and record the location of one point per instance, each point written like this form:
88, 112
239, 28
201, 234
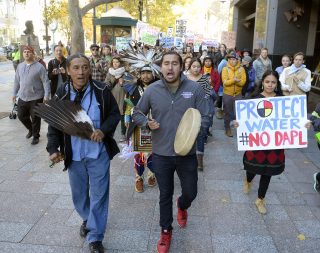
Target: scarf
294, 69
117, 73
265, 62
207, 70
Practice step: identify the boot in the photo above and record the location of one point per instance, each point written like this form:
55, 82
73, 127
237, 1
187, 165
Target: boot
261, 206
228, 132
219, 113
200, 161
246, 186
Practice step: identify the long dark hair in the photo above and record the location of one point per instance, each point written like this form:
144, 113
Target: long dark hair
195, 59
259, 88
184, 63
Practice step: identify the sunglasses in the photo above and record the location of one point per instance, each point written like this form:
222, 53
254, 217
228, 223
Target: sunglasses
95, 49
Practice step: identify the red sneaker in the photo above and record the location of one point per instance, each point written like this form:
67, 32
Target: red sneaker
182, 216
163, 245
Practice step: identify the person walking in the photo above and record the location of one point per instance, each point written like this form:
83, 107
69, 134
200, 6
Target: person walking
57, 70
115, 82
262, 64
98, 65
176, 92
296, 79
32, 86
259, 162
250, 85
88, 161
133, 95
203, 80
233, 79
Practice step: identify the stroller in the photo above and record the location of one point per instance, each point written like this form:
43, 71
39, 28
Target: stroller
14, 112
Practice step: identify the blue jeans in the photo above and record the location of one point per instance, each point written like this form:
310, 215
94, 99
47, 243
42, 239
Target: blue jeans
164, 168
201, 139
89, 181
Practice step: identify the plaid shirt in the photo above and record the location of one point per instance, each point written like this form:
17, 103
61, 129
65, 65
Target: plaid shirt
98, 74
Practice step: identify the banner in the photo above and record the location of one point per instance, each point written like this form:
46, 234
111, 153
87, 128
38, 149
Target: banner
147, 34
122, 43
229, 38
210, 43
272, 123
167, 42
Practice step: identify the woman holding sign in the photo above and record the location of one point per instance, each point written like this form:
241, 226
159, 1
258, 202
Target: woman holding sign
266, 163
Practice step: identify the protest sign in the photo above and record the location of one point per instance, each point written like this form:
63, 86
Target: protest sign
229, 38
210, 43
167, 42
122, 43
272, 123
148, 38
197, 43
178, 43
147, 34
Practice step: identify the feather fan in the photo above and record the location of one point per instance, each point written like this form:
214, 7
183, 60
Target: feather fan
67, 117
138, 59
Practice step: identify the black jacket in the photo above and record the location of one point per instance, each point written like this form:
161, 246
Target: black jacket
110, 117
55, 64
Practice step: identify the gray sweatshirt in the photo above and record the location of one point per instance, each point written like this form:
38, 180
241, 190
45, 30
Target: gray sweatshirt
31, 82
168, 109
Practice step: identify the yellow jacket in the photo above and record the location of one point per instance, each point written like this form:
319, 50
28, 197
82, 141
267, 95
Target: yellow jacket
230, 87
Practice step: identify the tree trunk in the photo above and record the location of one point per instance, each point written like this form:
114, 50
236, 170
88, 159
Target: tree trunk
77, 34
75, 17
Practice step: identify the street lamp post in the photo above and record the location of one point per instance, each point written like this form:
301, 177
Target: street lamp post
94, 26
46, 26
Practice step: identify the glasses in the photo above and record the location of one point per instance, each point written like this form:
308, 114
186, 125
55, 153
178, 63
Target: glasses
95, 49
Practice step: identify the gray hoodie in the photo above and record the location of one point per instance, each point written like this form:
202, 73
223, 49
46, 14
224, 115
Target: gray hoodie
31, 82
168, 109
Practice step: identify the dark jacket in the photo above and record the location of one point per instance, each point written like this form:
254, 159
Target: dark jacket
110, 118
55, 64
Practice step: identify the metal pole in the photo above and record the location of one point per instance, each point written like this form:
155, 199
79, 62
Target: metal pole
140, 9
46, 26
94, 26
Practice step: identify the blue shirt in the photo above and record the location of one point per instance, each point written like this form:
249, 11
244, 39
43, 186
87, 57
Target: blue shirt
82, 148
280, 70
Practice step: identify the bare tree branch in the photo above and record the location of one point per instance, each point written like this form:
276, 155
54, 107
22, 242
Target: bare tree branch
95, 3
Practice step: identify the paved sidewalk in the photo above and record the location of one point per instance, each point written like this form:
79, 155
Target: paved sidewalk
37, 215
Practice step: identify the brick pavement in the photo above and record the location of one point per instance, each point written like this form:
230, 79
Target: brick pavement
37, 215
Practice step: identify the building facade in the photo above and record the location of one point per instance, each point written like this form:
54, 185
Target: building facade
9, 24
283, 26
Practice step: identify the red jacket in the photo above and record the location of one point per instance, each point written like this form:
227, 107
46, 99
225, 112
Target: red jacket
214, 79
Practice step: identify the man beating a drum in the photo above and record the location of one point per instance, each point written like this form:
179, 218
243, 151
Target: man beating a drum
168, 99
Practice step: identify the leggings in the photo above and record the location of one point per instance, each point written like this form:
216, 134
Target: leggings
263, 185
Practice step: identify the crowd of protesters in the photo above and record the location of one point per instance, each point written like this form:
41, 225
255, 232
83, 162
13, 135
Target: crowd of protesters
217, 76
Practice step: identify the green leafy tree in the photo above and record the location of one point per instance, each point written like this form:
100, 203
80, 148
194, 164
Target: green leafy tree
57, 11
158, 13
